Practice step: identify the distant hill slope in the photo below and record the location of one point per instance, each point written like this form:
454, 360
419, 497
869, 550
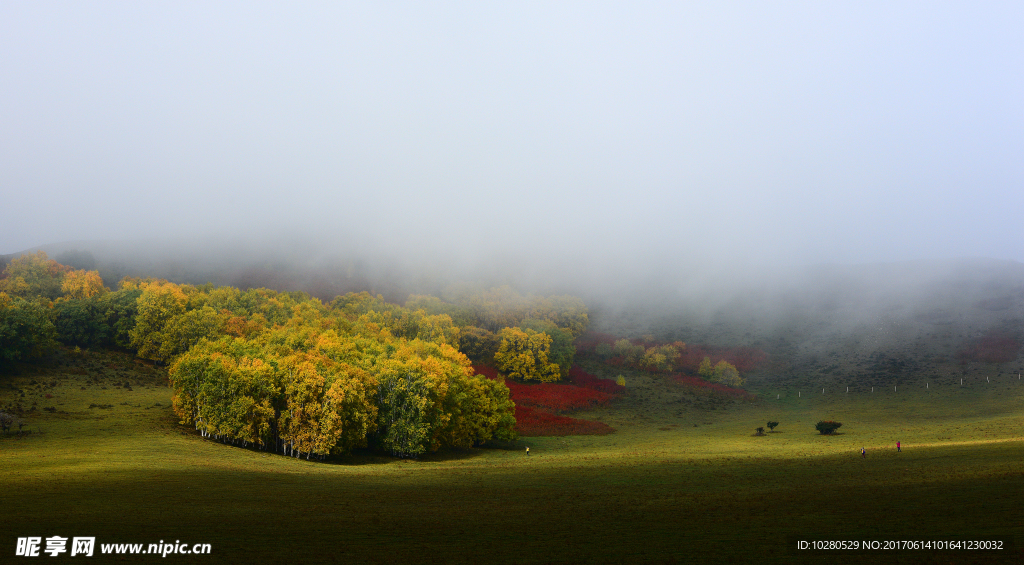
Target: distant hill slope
807, 311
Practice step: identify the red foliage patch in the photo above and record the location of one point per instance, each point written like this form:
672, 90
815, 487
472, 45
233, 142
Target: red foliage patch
489, 372
534, 403
993, 347
556, 397
534, 422
698, 384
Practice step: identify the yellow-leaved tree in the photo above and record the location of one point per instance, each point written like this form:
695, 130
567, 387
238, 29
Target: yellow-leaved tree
727, 374
159, 303
524, 355
82, 284
33, 275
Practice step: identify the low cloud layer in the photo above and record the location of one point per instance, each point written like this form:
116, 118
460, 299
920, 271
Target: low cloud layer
599, 139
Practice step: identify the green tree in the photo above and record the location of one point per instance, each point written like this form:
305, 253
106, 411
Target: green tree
827, 427
478, 344
772, 425
81, 322
186, 329
119, 310
26, 331
479, 409
403, 402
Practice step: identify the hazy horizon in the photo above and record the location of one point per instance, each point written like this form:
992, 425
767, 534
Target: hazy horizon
593, 138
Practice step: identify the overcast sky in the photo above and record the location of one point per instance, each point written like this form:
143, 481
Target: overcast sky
668, 131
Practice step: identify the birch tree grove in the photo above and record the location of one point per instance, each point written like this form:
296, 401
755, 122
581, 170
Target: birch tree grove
284, 372
323, 383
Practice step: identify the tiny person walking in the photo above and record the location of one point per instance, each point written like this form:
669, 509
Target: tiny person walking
527, 451
897, 447
863, 454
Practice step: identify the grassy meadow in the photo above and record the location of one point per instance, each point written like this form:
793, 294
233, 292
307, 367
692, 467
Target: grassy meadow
683, 479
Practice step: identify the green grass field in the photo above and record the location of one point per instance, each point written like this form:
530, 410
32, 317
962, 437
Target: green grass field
678, 482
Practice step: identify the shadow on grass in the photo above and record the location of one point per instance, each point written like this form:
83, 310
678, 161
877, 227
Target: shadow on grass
612, 512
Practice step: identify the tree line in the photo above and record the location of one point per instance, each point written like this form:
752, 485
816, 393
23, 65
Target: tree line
289, 373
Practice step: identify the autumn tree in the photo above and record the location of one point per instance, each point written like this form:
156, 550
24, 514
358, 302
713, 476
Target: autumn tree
523, 354
82, 284
436, 328
725, 373
328, 405
159, 303
705, 370
566, 312
33, 275
357, 372
562, 351
660, 358
229, 388
631, 354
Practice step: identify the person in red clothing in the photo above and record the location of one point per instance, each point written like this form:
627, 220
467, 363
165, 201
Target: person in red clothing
897, 447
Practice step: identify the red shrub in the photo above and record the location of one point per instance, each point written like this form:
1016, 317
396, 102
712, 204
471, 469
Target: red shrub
556, 397
534, 422
489, 372
534, 401
697, 384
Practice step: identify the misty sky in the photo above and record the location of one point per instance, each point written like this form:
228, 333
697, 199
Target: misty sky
671, 131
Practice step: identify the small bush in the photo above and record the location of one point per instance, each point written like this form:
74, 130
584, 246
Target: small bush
771, 425
827, 427
760, 431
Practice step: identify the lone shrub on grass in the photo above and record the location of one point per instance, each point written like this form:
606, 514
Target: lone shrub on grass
827, 427
771, 425
760, 431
